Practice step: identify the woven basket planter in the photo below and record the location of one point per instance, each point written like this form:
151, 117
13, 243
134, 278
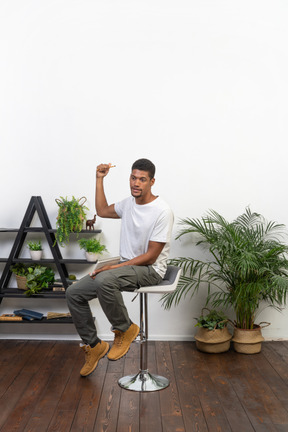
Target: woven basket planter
213, 341
21, 282
248, 341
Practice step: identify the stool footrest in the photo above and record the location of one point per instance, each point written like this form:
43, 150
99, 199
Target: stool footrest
143, 382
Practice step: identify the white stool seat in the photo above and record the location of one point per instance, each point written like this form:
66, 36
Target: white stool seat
144, 381
167, 285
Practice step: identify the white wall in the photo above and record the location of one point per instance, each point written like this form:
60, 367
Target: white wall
199, 87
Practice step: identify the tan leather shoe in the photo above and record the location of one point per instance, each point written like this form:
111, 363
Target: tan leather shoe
92, 356
122, 342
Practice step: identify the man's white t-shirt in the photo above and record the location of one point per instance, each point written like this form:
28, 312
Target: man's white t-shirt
141, 224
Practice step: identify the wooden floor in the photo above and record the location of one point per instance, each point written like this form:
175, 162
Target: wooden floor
41, 390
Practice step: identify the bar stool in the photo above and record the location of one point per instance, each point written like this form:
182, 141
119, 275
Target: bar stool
144, 381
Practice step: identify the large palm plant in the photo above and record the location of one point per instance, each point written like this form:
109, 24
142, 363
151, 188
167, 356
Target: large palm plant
248, 264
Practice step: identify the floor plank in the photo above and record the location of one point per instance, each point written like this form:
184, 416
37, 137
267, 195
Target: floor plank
231, 405
128, 419
150, 411
171, 412
211, 406
194, 419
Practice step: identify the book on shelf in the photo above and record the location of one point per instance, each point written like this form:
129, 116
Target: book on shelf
10, 317
28, 315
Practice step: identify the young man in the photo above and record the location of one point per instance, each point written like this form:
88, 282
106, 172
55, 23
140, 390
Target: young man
146, 225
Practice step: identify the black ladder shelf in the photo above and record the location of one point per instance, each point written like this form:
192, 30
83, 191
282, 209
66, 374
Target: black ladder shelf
36, 205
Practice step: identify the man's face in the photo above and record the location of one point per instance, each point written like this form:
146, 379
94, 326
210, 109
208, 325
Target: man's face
140, 183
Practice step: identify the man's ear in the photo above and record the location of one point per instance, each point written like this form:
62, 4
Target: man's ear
152, 181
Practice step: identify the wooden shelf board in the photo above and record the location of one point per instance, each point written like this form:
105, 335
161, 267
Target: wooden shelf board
15, 292
42, 321
53, 230
52, 261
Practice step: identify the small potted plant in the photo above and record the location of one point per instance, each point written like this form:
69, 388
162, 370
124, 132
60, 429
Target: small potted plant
20, 271
212, 335
35, 249
70, 219
32, 278
38, 277
92, 248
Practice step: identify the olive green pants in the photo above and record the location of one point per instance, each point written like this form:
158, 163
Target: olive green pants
107, 287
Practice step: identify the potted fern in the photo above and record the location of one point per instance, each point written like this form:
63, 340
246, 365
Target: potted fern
70, 219
246, 269
93, 248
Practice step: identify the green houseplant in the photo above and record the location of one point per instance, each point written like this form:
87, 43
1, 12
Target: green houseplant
34, 245
19, 269
70, 219
33, 278
212, 334
92, 247
213, 320
246, 266
38, 277
35, 249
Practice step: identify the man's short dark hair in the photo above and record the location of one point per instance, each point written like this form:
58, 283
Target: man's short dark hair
145, 165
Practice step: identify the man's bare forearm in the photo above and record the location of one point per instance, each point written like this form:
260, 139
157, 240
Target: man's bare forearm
100, 198
103, 209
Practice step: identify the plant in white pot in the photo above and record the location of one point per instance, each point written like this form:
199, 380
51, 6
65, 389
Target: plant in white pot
35, 249
247, 268
93, 248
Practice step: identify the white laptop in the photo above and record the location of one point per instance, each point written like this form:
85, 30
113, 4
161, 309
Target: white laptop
107, 261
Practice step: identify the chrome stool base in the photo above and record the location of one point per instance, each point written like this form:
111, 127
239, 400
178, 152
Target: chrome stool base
143, 382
